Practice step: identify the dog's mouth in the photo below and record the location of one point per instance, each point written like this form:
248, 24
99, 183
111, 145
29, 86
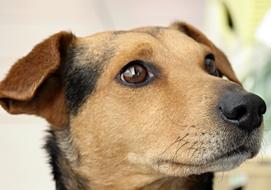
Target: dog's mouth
238, 151
221, 162
241, 150
221, 155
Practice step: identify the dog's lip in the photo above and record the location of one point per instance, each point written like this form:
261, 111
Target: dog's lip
240, 150
237, 151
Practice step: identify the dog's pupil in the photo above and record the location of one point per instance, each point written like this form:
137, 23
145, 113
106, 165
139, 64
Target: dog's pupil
135, 74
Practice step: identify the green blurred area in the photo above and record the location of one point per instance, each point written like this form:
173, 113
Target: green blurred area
258, 80
242, 28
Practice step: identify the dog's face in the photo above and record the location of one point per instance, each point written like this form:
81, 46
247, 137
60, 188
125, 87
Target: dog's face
150, 99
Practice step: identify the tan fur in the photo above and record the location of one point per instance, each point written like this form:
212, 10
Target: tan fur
221, 60
107, 111
152, 137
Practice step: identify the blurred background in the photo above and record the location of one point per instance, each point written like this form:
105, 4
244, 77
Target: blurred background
241, 28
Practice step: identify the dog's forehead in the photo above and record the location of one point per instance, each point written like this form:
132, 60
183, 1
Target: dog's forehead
104, 54
136, 35
131, 42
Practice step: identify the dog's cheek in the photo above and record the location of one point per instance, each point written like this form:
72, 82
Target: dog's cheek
113, 118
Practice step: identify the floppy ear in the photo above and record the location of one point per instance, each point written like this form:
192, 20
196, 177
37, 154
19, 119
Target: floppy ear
34, 86
222, 62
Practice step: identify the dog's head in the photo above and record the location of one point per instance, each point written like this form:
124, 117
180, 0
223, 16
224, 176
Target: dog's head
160, 101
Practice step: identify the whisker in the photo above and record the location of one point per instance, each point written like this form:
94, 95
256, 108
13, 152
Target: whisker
170, 146
186, 142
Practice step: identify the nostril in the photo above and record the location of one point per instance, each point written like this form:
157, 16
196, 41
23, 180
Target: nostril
235, 113
239, 112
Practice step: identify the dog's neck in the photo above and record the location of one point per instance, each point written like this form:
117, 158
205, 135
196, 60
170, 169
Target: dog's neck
64, 161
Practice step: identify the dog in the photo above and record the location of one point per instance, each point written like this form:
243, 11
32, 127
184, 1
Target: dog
150, 108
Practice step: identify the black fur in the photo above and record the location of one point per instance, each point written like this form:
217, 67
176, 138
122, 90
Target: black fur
205, 181
80, 82
81, 73
64, 176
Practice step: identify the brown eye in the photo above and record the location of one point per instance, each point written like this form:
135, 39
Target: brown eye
210, 67
135, 73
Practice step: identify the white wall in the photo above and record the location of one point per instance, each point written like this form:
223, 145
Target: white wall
23, 23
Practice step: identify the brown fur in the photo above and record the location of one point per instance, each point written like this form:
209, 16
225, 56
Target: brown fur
222, 61
18, 91
161, 136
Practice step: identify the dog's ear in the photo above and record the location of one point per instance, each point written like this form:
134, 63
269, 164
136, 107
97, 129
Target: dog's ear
34, 86
222, 62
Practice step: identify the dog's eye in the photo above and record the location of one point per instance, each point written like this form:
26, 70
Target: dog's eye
135, 74
210, 67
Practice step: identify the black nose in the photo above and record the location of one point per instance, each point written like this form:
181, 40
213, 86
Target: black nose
245, 110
